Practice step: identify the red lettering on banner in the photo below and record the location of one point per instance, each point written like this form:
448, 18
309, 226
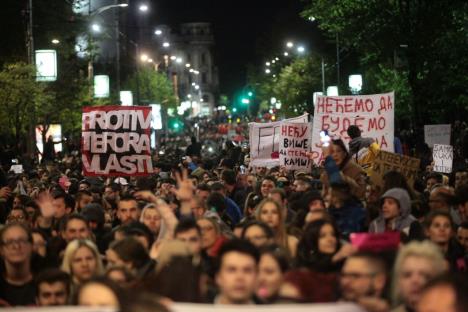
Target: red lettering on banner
359, 105
325, 124
383, 143
376, 124
385, 104
369, 105
335, 122
349, 105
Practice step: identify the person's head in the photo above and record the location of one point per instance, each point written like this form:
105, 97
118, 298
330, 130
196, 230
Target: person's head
210, 231
415, 265
274, 262
393, 179
120, 275
462, 235
441, 198
198, 207
268, 183
439, 227
353, 131
203, 191
111, 192
216, 201
127, 209
228, 176
16, 244
52, 287
461, 196
301, 184
151, 217
128, 252
82, 260
279, 195
445, 293
84, 185
252, 181
339, 152
63, 203
82, 198
99, 292
363, 275
258, 233
271, 212
433, 179
190, 233
31, 208
95, 215
395, 203
461, 178
18, 215
236, 272
39, 238
321, 237
74, 226
251, 203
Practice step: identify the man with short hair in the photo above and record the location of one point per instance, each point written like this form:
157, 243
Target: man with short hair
64, 205
232, 209
188, 231
52, 288
301, 184
462, 236
82, 198
128, 210
203, 192
75, 226
364, 275
268, 183
233, 191
236, 273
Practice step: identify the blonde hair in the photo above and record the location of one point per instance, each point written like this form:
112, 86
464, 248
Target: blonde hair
281, 235
70, 252
424, 249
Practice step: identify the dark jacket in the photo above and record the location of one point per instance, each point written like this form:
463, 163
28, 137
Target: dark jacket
357, 143
350, 218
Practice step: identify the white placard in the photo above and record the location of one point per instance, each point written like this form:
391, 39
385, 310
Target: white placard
437, 134
295, 143
373, 114
443, 158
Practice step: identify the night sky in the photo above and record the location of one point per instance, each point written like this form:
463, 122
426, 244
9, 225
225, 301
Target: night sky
246, 32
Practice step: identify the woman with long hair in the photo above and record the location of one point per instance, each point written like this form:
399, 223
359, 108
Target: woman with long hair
270, 212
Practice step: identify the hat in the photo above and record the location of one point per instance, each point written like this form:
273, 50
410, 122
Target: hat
121, 181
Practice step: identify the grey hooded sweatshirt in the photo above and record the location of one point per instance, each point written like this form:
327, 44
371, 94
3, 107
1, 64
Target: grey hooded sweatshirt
405, 218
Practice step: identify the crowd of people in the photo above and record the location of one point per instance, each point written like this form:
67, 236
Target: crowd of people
218, 231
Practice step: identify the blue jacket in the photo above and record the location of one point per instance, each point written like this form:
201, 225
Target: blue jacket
233, 210
350, 218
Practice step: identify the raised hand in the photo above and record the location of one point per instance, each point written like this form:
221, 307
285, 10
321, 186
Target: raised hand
5, 192
185, 188
45, 201
146, 196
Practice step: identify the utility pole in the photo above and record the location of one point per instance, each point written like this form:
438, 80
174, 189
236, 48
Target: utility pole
117, 50
337, 62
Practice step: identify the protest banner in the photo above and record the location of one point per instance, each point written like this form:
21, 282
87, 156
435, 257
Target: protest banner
294, 144
264, 141
373, 114
386, 161
443, 158
115, 141
437, 134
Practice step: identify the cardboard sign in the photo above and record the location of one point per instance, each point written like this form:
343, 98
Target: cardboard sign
386, 161
443, 158
375, 241
264, 141
115, 141
295, 142
17, 169
437, 134
373, 114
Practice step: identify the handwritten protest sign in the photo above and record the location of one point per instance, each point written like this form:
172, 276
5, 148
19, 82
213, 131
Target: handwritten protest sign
386, 161
295, 141
437, 134
373, 114
115, 141
264, 141
443, 158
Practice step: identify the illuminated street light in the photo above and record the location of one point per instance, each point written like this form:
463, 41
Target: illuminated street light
144, 57
150, 60
179, 60
311, 18
290, 44
55, 41
286, 53
273, 61
143, 7
173, 58
96, 27
300, 49
191, 70
267, 64
267, 71
197, 87
166, 44
277, 58
158, 32
188, 65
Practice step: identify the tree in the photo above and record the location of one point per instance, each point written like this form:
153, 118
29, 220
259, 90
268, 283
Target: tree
430, 35
20, 99
152, 87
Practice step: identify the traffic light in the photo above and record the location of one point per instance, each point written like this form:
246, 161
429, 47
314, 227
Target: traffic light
250, 93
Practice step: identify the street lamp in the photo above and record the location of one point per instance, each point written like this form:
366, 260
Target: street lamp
300, 49
55, 41
355, 83
166, 44
96, 27
289, 44
143, 7
267, 71
144, 57
158, 32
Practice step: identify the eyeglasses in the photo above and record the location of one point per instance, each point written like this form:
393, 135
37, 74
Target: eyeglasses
15, 218
19, 242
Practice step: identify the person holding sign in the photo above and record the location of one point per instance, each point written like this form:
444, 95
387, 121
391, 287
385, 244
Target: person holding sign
340, 166
394, 212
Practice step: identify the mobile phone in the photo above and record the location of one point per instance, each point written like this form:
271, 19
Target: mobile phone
14, 161
324, 138
242, 169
